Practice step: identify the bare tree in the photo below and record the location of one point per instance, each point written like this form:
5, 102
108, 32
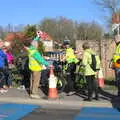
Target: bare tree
89, 31
58, 28
110, 6
2, 32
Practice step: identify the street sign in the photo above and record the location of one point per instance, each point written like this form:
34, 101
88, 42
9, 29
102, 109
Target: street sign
116, 23
116, 18
115, 26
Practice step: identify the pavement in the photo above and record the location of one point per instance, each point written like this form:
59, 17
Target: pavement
107, 99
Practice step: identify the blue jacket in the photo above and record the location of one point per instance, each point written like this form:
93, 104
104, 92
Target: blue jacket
3, 59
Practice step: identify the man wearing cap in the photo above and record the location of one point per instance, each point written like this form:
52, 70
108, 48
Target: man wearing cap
71, 61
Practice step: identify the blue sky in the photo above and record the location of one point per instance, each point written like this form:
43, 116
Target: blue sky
32, 11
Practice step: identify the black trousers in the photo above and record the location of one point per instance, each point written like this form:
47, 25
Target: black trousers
70, 77
44, 77
92, 86
3, 77
26, 78
117, 82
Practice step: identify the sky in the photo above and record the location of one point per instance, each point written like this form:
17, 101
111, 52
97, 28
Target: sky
32, 11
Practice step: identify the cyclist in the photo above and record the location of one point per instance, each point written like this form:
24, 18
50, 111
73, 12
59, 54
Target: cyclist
71, 61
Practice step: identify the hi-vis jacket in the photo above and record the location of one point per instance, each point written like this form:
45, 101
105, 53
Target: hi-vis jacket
116, 57
86, 61
35, 60
70, 56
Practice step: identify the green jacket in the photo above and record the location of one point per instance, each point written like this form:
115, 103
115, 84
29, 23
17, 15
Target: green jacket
37, 56
86, 61
36, 38
35, 41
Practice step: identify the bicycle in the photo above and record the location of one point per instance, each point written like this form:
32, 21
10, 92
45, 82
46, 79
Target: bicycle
58, 72
80, 80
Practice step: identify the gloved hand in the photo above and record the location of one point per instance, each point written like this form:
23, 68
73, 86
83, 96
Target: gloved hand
44, 67
39, 33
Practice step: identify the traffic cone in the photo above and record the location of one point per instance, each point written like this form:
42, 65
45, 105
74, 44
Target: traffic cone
52, 93
100, 78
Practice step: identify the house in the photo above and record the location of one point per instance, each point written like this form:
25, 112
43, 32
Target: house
46, 39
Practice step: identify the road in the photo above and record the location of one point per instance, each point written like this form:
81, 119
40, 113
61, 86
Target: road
16, 105
87, 113
12, 111
52, 114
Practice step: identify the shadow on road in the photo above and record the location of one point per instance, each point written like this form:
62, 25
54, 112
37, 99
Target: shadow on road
114, 99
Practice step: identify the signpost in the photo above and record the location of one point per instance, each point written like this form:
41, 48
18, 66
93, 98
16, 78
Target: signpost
116, 23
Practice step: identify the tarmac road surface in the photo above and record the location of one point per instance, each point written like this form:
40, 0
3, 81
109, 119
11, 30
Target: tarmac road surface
13, 111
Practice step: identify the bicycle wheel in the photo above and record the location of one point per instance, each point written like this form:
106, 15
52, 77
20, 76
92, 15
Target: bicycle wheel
80, 83
61, 83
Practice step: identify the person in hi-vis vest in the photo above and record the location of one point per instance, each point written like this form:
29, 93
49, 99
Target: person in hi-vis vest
89, 73
71, 61
36, 62
116, 62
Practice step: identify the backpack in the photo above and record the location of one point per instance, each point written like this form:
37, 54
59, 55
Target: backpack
94, 63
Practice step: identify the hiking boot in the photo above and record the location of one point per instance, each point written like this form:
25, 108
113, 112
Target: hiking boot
21, 87
35, 96
5, 87
3, 90
96, 97
88, 99
70, 93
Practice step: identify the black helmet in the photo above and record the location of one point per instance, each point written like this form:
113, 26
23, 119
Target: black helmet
66, 42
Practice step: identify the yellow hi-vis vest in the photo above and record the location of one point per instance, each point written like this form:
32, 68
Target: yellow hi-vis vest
33, 64
116, 57
70, 56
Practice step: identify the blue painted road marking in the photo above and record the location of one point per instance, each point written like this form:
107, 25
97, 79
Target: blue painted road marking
15, 111
94, 113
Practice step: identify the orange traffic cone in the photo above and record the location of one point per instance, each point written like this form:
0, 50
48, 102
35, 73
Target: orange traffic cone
100, 79
52, 93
